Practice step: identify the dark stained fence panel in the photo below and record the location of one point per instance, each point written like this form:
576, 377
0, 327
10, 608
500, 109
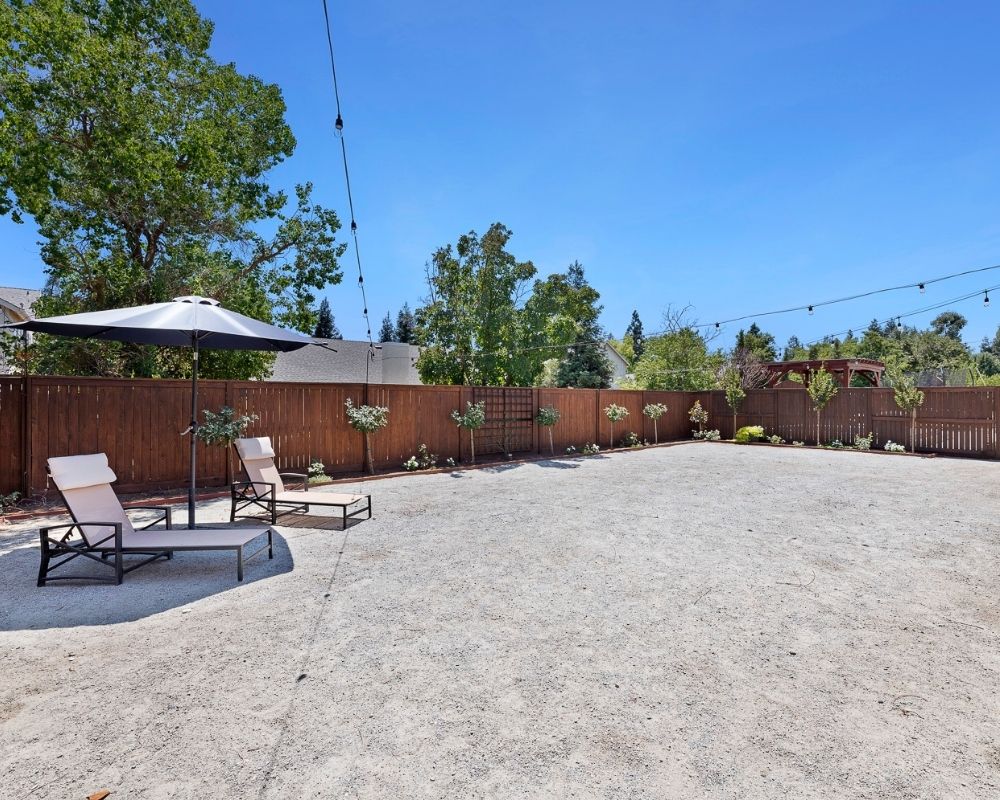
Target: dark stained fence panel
138, 423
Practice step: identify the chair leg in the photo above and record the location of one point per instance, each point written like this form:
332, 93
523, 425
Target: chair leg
369, 506
119, 568
43, 567
232, 508
274, 512
270, 543
239, 564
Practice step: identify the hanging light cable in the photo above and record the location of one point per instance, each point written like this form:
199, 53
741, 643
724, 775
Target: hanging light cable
339, 133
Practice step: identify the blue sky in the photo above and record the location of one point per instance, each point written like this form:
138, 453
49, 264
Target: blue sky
735, 156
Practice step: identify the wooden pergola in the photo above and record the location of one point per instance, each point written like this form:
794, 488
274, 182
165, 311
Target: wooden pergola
843, 369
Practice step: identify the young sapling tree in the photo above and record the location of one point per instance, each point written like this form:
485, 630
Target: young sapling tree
367, 420
822, 389
909, 398
547, 417
473, 419
615, 413
654, 411
224, 428
699, 416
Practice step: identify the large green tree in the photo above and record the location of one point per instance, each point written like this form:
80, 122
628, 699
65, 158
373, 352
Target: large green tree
560, 320
143, 162
469, 323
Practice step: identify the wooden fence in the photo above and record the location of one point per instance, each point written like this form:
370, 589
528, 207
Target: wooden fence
137, 423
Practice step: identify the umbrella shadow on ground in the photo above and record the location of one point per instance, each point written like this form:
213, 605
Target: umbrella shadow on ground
152, 589
317, 522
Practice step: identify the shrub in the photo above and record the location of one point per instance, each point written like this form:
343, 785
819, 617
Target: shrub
708, 436
749, 433
863, 442
798, 444
450, 461
775, 439
570, 450
654, 411
631, 439
892, 447
424, 459
8, 502
317, 471
590, 449
836, 444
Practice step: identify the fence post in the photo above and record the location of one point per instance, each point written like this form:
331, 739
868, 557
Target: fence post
25, 435
996, 423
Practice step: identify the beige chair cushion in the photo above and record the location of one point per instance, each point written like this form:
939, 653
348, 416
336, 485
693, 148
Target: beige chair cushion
76, 472
257, 456
253, 448
320, 498
200, 539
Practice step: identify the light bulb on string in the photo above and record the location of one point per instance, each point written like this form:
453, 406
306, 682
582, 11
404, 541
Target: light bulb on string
986, 298
810, 310
922, 288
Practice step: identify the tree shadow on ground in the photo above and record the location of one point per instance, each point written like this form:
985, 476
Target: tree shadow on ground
154, 588
558, 464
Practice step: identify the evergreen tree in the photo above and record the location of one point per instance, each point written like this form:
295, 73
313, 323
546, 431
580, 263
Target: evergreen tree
634, 332
758, 342
586, 366
387, 333
406, 326
326, 328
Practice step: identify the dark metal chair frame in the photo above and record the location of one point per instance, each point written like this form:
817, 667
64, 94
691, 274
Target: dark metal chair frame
246, 494
64, 546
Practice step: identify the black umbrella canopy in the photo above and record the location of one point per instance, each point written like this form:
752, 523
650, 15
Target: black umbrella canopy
191, 321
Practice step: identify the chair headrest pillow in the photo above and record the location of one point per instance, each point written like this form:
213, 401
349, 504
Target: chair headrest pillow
255, 448
78, 472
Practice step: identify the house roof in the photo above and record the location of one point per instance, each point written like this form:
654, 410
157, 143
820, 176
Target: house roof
20, 300
321, 365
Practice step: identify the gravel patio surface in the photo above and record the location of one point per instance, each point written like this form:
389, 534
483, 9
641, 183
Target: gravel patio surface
700, 621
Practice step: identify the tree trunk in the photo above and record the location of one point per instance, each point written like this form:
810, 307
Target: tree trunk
734, 424
656, 433
368, 454
472, 441
552, 446
817, 429
612, 447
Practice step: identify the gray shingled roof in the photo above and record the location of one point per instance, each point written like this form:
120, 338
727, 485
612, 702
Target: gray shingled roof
19, 298
318, 364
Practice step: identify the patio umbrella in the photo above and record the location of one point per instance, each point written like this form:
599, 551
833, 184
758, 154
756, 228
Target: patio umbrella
196, 322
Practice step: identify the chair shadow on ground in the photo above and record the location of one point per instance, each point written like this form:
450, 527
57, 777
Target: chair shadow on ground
157, 587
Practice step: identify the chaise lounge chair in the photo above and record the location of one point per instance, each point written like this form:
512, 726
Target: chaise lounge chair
101, 529
265, 488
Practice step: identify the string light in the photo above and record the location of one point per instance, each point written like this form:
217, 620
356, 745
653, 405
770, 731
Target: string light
921, 285
986, 298
339, 134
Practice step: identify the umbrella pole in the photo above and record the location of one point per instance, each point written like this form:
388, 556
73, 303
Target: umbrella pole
194, 431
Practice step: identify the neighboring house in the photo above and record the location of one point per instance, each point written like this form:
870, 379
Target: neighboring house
346, 361
619, 366
15, 306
